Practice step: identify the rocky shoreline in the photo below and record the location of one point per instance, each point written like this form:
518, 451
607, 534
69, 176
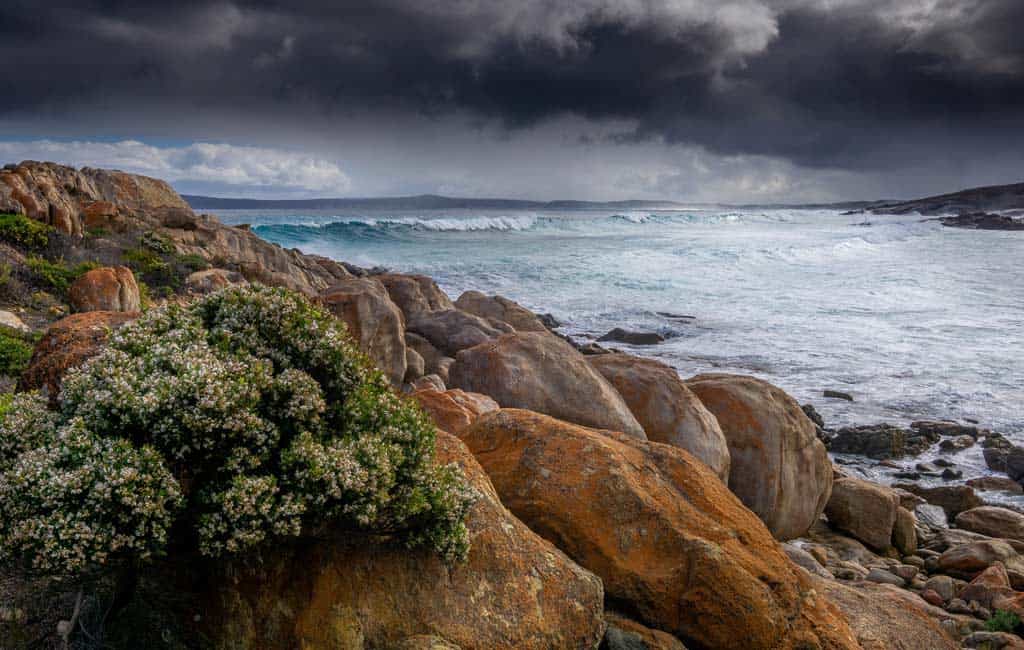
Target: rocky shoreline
620, 505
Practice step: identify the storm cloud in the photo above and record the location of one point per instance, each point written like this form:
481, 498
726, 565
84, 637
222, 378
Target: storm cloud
928, 90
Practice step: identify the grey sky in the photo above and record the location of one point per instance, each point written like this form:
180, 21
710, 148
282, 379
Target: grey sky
735, 100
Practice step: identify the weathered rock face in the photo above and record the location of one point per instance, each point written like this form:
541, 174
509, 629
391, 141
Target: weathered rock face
904, 532
863, 509
415, 294
515, 590
501, 309
667, 410
673, 546
451, 330
779, 468
881, 441
993, 522
374, 322
105, 289
73, 200
540, 372
210, 280
453, 410
67, 344
885, 617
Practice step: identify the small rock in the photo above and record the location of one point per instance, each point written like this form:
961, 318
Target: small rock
908, 476
926, 467
592, 349
944, 428
991, 640
950, 474
10, 321
943, 462
836, 394
932, 598
906, 571
632, 337
953, 445
943, 586
914, 560
884, 577
813, 414
958, 606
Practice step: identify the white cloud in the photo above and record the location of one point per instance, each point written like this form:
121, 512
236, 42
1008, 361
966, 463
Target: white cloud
203, 162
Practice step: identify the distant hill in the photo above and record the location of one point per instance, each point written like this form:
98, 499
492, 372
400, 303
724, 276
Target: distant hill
994, 198
421, 202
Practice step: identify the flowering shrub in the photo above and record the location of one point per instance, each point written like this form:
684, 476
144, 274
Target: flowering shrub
246, 417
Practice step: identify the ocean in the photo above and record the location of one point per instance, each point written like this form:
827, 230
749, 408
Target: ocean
914, 320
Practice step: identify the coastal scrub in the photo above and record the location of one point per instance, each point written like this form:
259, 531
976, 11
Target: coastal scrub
245, 418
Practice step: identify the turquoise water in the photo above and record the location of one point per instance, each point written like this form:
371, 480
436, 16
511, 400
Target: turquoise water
915, 320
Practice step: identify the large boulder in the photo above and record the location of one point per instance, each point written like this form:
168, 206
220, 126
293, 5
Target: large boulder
515, 590
667, 410
673, 546
451, 330
453, 410
111, 288
501, 309
968, 560
374, 322
67, 344
415, 294
779, 468
885, 617
210, 280
543, 373
992, 521
863, 509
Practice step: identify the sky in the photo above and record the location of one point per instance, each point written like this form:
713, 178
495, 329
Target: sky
690, 100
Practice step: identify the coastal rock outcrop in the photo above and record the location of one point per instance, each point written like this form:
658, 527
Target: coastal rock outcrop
210, 280
75, 200
673, 546
515, 590
667, 410
373, 321
67, 344
779, 468
543, 373
501, 309
105, 289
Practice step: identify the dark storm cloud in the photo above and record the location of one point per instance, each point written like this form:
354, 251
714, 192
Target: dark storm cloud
863, 82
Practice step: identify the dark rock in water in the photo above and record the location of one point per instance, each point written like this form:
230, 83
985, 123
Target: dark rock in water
813, 414
982, 221
671, 316
995, 458
943, 462
1015, 463
995, 440
950, 474
959, 443
944, 428
835, 394
879, 441
549, 321
909, 476
971, 420
633, 338
891, 464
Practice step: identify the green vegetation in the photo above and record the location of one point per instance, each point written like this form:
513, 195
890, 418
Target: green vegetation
57, 275
245, 419
15, 352
1002, 621
156, 243
19, 230
145, 261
